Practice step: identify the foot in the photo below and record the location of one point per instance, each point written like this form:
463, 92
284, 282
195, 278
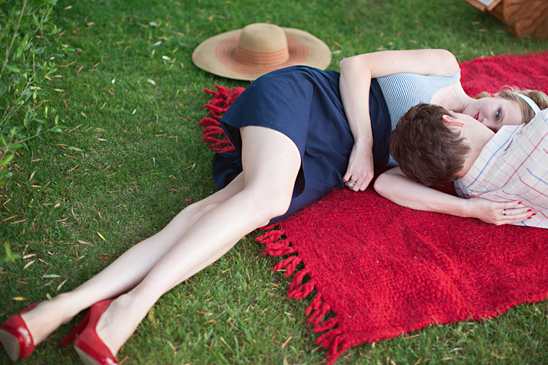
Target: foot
115, 325
47, 316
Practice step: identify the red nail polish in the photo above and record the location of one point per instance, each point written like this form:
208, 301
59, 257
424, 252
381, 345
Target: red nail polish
533, 214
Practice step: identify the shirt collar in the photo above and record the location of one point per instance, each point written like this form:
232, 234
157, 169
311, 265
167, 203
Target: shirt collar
496, 146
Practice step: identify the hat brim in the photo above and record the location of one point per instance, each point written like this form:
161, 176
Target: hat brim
216, 55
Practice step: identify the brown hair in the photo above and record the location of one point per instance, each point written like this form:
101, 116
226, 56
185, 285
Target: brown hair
427, 151
508, 93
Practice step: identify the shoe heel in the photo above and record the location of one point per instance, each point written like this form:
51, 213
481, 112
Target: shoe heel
90, 348
15, 337
12, 346
76, 331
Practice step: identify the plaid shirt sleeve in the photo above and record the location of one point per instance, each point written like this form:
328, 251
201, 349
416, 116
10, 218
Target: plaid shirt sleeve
513, 165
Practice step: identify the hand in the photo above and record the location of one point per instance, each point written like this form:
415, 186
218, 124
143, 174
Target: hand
499, 213
360, 169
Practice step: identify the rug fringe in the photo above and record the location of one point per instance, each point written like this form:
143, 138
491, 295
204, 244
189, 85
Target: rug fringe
213, 135
302, 285
289, 264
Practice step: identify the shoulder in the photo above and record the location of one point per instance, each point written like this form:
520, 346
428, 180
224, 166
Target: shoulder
535, 130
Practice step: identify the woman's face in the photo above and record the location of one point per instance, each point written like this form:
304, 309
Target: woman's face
495, 112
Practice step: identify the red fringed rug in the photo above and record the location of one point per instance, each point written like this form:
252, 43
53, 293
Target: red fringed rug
380, 270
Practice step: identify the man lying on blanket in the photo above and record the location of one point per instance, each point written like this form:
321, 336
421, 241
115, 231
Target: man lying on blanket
509, 169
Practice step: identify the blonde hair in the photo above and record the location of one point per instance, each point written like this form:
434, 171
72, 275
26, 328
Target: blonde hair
508, 93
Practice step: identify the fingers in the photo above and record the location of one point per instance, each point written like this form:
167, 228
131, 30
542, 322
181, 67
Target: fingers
512, 204
365, 182
359, 172
500, 213
518, 214
350, 183
348, 177
511, 213
358, 184
357, 181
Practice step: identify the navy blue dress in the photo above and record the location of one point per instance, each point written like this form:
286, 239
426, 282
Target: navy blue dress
304, 104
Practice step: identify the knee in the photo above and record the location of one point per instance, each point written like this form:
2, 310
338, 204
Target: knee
277, 205
270, 204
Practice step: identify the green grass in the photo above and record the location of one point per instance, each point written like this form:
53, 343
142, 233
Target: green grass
131, 157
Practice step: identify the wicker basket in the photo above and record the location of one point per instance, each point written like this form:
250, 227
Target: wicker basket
524, 18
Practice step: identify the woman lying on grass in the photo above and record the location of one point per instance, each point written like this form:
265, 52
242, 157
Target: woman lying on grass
299, 132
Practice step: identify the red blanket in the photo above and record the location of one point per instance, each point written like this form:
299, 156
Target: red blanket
378, 270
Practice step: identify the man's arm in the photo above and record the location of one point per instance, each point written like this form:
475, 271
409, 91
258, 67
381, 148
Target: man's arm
394, 186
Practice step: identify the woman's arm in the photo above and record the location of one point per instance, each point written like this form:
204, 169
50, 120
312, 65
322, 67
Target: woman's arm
355, 82
394, 186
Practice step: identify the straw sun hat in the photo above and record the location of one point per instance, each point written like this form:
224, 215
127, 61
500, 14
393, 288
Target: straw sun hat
248, 53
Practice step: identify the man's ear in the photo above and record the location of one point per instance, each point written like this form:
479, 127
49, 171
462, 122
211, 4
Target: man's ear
451, 121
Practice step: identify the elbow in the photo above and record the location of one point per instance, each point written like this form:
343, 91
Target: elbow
348, 62
381, 186
388, 185
448, 59
344, 63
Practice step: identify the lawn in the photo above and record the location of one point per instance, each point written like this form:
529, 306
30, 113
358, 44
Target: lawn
131, 157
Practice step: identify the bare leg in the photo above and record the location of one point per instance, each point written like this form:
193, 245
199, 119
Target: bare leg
271, 162
129, 269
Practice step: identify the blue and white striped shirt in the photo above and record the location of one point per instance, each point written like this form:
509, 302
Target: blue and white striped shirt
404, 90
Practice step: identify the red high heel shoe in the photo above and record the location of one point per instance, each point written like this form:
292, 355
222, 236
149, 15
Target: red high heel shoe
88, 345
15, 337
